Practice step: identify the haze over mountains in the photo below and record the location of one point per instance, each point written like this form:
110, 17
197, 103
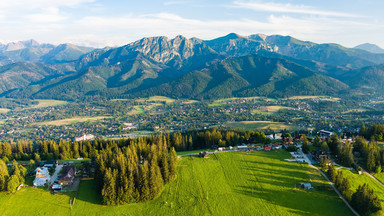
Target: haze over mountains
232, 65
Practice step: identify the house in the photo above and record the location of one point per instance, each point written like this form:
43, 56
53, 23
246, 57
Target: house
305, 186
267, 148
325, 134
204, 154
67, 175
42, 177
319, 154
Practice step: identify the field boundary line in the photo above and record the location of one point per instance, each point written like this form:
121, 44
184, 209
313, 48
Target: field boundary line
337, 191
332, 185
373, 177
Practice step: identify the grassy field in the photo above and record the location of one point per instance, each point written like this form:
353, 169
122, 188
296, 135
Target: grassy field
268, 110
314, 97
157, 99
221, 102
29, 201
236, 183
357, 180
47, 103
72, 120
260, 125
136, 110
4, 110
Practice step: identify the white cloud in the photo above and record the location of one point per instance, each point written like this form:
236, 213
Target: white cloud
47, 15
177, 3
124, 29
288, 8
33, 4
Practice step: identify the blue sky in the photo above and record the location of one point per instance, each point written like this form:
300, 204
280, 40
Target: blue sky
118, 22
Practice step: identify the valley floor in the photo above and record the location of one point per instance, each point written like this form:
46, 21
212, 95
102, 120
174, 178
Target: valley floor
235, 183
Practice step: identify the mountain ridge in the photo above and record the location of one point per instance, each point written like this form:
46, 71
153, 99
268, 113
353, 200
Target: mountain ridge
171, 66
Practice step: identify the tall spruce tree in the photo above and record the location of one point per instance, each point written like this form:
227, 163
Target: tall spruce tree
144, 183
3, 175
155, 179
109, 188
173, 164
331, 172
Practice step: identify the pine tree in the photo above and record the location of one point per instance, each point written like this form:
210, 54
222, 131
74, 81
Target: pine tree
331, 172
165, 167
3, 175
324, 163
173, 164
345, 186
339, 179
109, 190
155, 180
371, 161
18, 171
144, 183
12, 184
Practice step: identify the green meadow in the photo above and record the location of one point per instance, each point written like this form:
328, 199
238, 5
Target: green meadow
236, 183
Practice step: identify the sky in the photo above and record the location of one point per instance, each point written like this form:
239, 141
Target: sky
100, 23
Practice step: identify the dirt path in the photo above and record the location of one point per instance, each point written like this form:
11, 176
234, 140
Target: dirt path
332, 185
373, 177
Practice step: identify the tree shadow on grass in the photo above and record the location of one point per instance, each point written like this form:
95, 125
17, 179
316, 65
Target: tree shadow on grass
298, 202
88, 192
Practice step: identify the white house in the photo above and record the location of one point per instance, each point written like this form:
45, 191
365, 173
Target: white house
42, 176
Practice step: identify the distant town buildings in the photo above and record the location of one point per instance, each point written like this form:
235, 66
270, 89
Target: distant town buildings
85, 137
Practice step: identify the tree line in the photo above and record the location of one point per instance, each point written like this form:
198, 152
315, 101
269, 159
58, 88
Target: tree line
363, 200
10, 181
63, 149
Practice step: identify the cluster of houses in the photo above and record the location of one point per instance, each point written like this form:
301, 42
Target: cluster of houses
66, 177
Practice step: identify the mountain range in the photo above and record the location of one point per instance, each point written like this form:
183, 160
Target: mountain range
233, 65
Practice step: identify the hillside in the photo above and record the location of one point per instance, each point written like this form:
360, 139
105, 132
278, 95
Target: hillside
260, 183
249, 76
20, 75
366, 80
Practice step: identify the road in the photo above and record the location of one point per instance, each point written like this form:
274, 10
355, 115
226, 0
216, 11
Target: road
331, 183
54, 176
